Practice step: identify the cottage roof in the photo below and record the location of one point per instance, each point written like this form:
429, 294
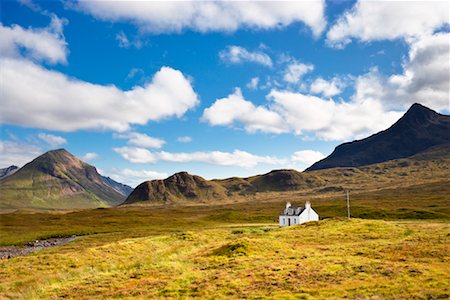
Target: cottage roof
292, 211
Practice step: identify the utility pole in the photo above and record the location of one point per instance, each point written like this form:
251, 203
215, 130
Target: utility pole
348, 206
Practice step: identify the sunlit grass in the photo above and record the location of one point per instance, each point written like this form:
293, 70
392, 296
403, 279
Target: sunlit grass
333, 258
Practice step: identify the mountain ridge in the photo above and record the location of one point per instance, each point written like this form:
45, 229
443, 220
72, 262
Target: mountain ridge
417, 130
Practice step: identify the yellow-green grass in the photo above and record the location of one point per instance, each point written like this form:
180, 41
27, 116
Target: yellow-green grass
431, 201
333, 258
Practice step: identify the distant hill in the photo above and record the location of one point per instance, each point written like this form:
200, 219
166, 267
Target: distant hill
184, 187
431, 166
119, 187
57, 180
5, 172
419, 129
179, 187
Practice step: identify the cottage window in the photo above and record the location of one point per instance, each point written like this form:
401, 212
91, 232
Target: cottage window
295, 221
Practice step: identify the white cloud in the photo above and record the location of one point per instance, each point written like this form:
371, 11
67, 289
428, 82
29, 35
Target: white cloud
331, 120
302, 114
136, 155
141, 140
295, 71
17, 153
58, 98
237, 54
326, 88
235, 158
307, 157
234, 108
426, 74
204, 16
52, 140
46, 44
253, 83
135, 177
89, 156
380, 20
425, 78
184, 139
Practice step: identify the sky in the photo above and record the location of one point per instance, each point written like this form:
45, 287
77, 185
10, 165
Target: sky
144, 89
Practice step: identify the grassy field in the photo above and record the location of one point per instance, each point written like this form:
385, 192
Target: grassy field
397, 247
333, 258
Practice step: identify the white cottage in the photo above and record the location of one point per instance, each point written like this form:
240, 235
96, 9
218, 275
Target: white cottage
293, 215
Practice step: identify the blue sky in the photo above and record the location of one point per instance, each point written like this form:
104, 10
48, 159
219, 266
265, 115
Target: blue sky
145, 89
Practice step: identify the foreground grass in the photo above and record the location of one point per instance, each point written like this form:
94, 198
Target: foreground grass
334, 258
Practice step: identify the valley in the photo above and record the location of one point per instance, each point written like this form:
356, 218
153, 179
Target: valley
188, 237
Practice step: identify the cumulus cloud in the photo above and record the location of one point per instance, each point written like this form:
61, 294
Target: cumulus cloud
307, 157
331, 120
426, 74
135, 177
234, 108
326, 88
235, 158
206, 16
237, 54
47, 44
302, 114
58, 98
381, 20
184, 139
141, 140
136, 155
89, 156
425, 78
17, 153
295, 71
52, 140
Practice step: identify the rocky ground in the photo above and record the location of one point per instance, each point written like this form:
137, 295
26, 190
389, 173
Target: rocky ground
13, 251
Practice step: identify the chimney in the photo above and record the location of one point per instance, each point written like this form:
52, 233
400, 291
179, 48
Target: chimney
288, 204
307, 204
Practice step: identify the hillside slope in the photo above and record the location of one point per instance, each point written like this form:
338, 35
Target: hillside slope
179, 187
57, 180
429, 166
419, 129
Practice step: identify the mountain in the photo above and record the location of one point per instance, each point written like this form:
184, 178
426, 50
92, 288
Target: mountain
5, 172
178, 187
57, 180
429, 168
184, 187
419, 129
119, 187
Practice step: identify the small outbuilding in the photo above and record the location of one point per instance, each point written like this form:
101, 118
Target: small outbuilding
293, 215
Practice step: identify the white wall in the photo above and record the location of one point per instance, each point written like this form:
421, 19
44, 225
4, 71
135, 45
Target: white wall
284, 220
308, 215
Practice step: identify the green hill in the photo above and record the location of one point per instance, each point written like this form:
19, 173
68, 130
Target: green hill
57, 180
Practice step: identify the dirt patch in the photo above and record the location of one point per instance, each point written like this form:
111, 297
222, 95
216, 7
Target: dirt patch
13, 251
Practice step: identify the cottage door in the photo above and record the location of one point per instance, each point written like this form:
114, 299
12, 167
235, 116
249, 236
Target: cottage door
289, 221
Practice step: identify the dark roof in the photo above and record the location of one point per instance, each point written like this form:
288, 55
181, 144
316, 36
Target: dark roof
292, 211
